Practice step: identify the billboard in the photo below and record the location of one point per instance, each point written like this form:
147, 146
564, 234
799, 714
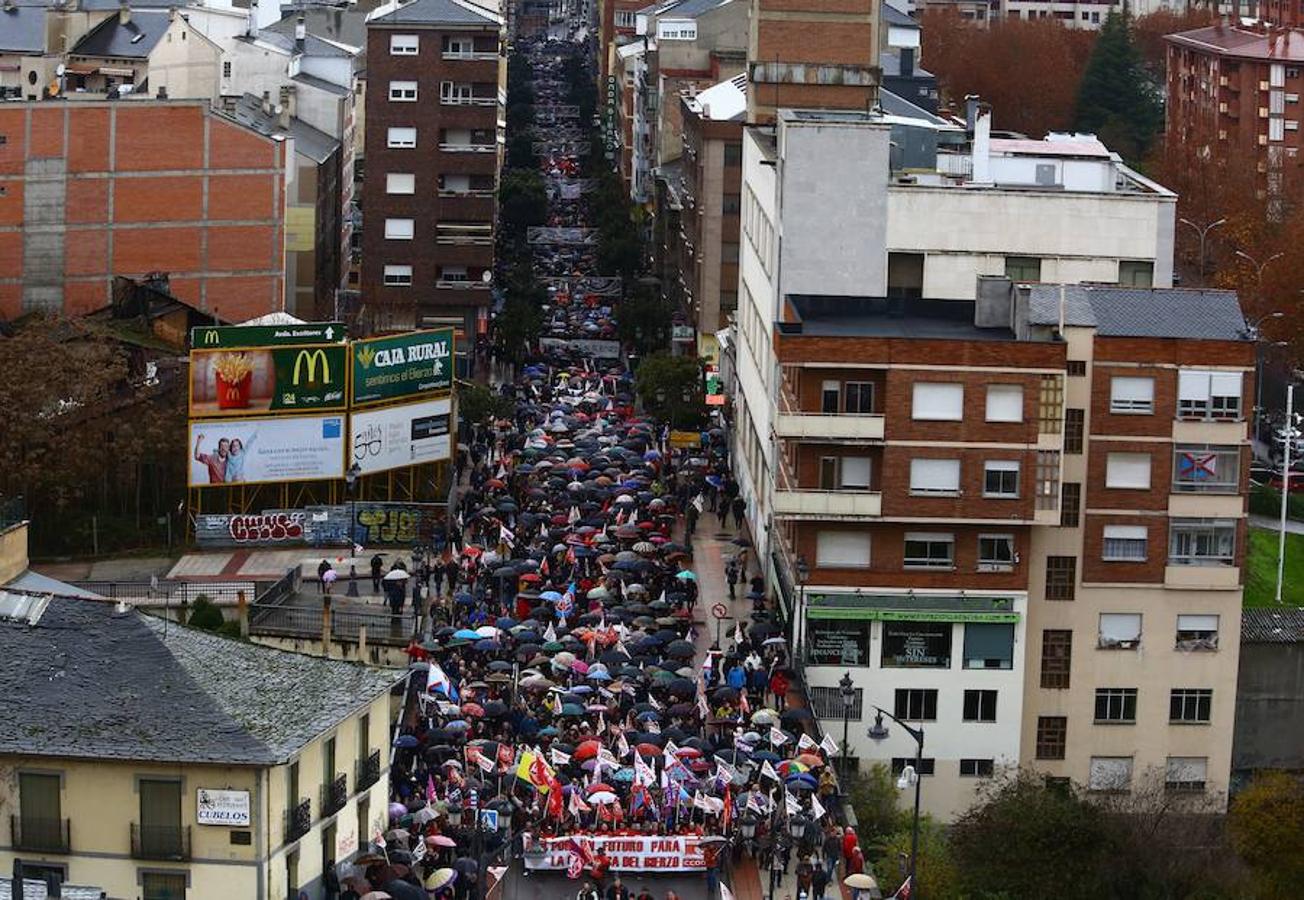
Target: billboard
252, 381
255, 451
397, 436
226, 336
403, 365
370, 524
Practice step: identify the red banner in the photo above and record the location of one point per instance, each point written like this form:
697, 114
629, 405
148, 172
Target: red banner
627, 853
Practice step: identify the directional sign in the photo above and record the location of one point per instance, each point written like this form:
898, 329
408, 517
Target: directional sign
225, 336
720, 611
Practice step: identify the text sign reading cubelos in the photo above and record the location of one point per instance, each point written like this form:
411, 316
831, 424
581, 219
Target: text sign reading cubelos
222, 808
260, 380
402, 365
217, 337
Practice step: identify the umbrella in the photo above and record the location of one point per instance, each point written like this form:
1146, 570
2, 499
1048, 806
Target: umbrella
440, 878
406, 741
796, 714
602, 798
686, 575
329, 576
396, 575
860, 881
765, 717
441, 840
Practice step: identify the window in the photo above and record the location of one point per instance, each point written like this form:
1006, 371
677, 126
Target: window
1131, 395
975, 768
404, 91
1074, 429
1050, 404
1201, 542
995, 552
989, 645
1023, 268
929, 551
226, 69
728, 252
1186, 773
454, 92
926, 765
1136, 273
916, 645
677, 30
842, 549
1120, 631
858, 397
837, 642
1075, 368
935, 476
1004, 403
1190, 705
1197, 632
458, 46
827, 703
1052, 736
399, 229
400, 183
364, 736
162, 885
625, 18
1070, 504
916, 704
1127, 471
398, 276
938, 401
1205, 468
830, 397
401, 138
855, 472
1000, 478
980, 706
1209, 395
404, 44
1276, 129
1110, 773
1117, 705
1061, 577
1056, 658
40, 814
1124, 543
160, 832
733, 153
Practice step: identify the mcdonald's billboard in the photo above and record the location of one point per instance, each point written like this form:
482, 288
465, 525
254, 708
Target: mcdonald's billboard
261, 380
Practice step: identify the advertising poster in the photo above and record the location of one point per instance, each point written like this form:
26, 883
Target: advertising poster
628, 853
398, 436
270, 379
403, 365
211, 337
369, 523
253, 451
221, 807
917, 645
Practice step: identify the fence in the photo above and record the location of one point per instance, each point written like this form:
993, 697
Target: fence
170, 592
346, 624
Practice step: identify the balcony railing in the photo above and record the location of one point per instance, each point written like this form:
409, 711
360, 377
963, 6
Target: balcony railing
472, 239
468, 101
368, 771
816, 504
452, 195
469, 148
298, 821
446, 285
160, 841
39, 834
799, 424
334, 794
469, 54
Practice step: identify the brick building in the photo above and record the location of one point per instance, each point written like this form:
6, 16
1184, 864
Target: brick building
92, 189
1233, 88
436, 76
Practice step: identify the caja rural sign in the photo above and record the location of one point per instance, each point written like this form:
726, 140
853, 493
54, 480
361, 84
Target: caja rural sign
403, 365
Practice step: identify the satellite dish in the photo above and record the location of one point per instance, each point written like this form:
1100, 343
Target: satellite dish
59, 70
487, 276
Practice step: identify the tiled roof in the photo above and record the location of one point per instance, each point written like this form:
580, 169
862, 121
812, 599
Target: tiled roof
89, 681
1141, 312
432, 12
132, 40
22, 29
1284, 625
1283, 45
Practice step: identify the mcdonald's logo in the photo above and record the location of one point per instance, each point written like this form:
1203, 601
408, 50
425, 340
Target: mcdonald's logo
310, 359
212, 336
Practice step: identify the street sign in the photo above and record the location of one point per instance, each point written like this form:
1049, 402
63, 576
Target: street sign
489, 819
226, 336
720, 611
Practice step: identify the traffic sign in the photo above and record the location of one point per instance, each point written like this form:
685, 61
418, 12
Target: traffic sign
720, 611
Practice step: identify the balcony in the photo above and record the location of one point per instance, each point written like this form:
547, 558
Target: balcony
298, 821
815, 504
805, 426
444, 284
469, 55
40, 835
170, 842
368, 771
469, 148
1202, 578
468, 101
334, 794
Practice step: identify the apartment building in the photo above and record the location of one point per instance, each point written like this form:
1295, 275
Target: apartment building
1134, 627
1087, 15
1237, 89
617, 25
96, 189
436, 75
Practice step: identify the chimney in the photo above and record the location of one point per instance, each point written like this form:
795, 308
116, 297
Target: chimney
300, 33
162, 92
267, 103
124, 12
970, 112
251, 23
289, 97
982, 146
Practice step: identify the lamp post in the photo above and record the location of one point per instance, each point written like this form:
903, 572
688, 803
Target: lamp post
878, 732
1255, 330
799, 620
1203, 232
848, 691
1258, 266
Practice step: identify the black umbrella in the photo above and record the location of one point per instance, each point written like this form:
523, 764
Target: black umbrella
680, 649
796, 714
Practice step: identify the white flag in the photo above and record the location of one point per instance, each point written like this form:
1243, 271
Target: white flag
806, 742
602, 723
486, 763
507, 536
622, 745
643, 773
725, 893
558, 758
653, 727
777, 737
767, 771
574, 515
791, 803
671, 749
829, 745
550, 634
817, 809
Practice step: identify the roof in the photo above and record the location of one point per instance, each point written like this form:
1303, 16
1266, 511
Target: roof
687, 9
36, 583
134, 40
918, 319
722, 102
34, 889
22, 29
1283, 45
115, 5
898, 18
1078, 145
308, 141
432, 12
897, 107
92, 681
1190, 314
312, 45
321, 84
344, 25
1284, 625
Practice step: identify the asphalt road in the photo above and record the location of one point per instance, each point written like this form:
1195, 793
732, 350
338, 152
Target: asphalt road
556, 886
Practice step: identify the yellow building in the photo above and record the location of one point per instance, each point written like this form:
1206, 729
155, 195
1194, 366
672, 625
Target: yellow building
157, 761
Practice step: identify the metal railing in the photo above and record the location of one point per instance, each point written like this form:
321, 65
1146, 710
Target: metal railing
334, 794
298, 821
346, 624
368, 771
169, 592
160, 841
38, 834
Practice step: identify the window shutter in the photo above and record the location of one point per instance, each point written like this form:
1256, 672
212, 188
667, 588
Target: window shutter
842, 548
1194, 386
1128, 470
855, 471
935, 475
938, 401
988, 640
1004, 403
1225, 384
1196, 622
1120, 627
1131, 393
1126, 532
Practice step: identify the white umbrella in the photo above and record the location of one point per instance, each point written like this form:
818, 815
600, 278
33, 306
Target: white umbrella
860, 881
329, 575
397, 575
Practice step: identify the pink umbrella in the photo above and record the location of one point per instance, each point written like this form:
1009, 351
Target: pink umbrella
580, 666
440, 840
329, 575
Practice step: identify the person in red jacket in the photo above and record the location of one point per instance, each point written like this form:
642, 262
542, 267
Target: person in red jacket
856, 862
779, 688
849, 842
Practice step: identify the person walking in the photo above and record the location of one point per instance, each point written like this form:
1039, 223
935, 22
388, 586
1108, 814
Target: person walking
690, 519
377, 565
322, 568
779, 685
832, 851
731, 576
739, 506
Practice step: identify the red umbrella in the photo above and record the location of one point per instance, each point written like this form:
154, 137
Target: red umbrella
587, 750
648, 750
600, 786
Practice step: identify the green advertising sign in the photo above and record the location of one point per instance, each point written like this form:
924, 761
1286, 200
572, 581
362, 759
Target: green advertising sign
225, 336
403, 365
257, 381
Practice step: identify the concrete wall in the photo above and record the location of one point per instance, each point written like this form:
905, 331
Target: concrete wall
1269, 708
13, 552
185, 63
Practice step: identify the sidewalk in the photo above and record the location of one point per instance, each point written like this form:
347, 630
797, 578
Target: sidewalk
1272, 523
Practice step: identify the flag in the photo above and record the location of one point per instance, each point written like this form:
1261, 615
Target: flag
506, 756
554, 799
550, 634
725, 893
700, 802
602, 723
622, 745
655, 705
738, 633
702, 707
790, 803
816, 808
643, 773
540, 774
806, 742
437, 680
506, 535
767, 771
906, 889
777, 737
829, 745
755, 802
430, 788
523, 767
607, 759
558, 758
670, 751
653, 727
726, 815
574, 515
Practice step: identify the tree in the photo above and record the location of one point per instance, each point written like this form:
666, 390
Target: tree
671, 389
873, 795
1117, 100
519, 322
476, 403
522, 199
1266, 824
935, 869
643, 322
1148, 32
520, 151
205, 614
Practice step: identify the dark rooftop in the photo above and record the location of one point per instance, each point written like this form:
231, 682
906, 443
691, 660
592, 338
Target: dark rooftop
948, 320
308, 141
88, 681
433, 12
132, 40
22, 29
1284, 625
1281, 45
1190, 314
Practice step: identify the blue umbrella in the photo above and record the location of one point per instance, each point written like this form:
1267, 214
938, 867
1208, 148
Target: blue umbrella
599, 676
487, 645
550, 731
581, 689
766, 756
650, 715
550, 596
625, 774
406, 741
505, 623
466, 634
800, 779
458, 725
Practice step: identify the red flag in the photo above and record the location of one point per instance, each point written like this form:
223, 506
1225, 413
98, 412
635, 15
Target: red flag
906, 889
540, 774
506, 756
554, 800
726, 815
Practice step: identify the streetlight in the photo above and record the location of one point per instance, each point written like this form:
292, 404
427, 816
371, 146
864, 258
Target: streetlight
1254, 330
799, 620
1258, 266
1203, 231
848, 691
878, 732
351, 479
